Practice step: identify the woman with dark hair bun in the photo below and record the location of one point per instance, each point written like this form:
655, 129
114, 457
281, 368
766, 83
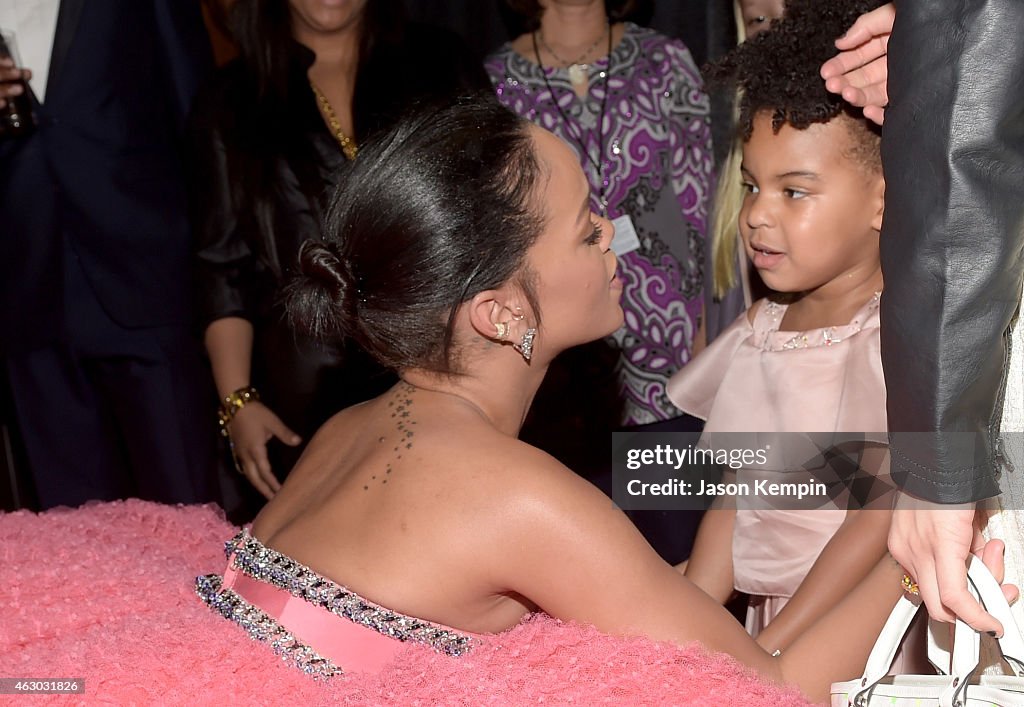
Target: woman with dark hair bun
271, 135
464, 253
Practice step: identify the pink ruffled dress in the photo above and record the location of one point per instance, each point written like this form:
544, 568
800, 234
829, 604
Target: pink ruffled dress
756, 379
312, 622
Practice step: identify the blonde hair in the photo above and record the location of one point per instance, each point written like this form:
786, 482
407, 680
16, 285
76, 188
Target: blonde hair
725, 212
725, 222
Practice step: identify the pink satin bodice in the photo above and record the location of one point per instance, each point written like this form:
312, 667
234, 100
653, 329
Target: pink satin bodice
311, 621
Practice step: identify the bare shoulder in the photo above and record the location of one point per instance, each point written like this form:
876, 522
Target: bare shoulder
526, 474
518, 497
537, 507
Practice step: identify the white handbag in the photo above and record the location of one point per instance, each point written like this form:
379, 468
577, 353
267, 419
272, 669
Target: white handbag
956, 686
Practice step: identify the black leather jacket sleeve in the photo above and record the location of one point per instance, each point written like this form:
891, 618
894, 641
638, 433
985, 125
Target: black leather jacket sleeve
952, 239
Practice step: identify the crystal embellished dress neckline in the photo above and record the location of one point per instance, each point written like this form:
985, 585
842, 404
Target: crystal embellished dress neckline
769, 318
312, 622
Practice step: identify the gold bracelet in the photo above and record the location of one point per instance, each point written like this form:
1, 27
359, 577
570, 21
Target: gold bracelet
232, 403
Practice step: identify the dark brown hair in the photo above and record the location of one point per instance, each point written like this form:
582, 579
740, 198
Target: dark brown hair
433, 212
263, 31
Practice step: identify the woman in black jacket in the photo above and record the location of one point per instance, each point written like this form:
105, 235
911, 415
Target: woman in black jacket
270, 137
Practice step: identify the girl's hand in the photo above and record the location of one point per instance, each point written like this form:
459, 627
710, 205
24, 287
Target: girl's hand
860, 71
10, 80
252, 427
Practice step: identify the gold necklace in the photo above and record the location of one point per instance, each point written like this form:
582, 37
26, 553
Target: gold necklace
348, 145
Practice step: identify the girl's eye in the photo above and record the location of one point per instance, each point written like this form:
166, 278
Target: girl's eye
595, 236
750, 188
794, 193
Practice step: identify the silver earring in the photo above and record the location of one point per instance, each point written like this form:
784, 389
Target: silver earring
502, 330
525, 347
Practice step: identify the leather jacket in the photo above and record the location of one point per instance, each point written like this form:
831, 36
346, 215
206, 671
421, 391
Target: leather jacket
952, 239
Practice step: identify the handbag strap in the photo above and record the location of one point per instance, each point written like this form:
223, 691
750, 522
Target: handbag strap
966, 656
966, 648
884, 651
1011, 644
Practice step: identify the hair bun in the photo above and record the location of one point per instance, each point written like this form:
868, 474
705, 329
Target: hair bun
322, 299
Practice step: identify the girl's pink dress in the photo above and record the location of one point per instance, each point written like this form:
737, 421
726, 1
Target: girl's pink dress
757, 379
310, 621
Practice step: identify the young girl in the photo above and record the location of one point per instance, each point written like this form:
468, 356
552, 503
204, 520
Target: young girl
808, 360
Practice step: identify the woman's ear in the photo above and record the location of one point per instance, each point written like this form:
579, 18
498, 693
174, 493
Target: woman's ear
494, 314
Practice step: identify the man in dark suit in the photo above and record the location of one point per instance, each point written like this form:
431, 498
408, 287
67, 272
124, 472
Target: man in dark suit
109, 389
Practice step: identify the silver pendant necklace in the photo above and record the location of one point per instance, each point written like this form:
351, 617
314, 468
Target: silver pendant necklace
577, 69
579, 137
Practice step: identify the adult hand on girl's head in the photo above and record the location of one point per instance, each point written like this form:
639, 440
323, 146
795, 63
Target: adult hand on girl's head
932, 541
251, 428
860, 71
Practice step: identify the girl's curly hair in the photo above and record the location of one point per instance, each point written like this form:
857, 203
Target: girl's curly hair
778, 70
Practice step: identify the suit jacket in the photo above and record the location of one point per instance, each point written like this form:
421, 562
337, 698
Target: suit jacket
953, 238
102, 173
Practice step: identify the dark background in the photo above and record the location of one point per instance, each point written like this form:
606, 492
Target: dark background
705, 26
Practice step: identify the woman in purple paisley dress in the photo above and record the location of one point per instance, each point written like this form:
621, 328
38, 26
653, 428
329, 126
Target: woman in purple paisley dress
630, 102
